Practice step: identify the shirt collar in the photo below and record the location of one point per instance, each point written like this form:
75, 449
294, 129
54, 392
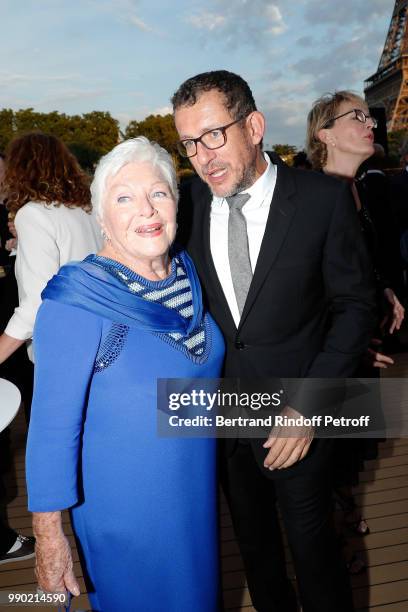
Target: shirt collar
260, 189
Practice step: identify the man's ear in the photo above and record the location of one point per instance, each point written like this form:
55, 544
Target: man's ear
256, 127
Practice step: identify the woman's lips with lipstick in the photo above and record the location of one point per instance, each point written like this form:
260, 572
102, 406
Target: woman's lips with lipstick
147, 231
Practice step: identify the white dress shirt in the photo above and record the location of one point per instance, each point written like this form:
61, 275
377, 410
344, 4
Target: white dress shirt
48, 237
256, 212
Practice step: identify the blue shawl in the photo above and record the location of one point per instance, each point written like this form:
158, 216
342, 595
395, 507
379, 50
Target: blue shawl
90, 287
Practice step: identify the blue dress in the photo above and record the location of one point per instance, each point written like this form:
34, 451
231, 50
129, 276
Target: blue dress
143, 507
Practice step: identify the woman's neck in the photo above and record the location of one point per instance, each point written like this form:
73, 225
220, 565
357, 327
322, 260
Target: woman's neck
154, 269
345, 167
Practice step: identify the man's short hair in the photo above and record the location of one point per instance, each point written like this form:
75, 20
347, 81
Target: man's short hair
239, 100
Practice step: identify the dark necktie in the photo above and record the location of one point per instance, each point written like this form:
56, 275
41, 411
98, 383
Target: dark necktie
238, 249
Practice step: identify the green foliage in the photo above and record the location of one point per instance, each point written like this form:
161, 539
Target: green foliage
286, 152
284, 149
6, 127
159, 128
87, 156
89, 135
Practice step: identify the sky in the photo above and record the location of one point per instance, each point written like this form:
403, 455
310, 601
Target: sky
129, 56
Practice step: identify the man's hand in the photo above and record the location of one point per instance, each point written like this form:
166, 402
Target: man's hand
376, 359
397, 311
284, 451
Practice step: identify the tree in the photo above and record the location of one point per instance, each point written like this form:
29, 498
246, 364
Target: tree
6, 127
99, 130
88, 136
87, 156
161, 129
285, 151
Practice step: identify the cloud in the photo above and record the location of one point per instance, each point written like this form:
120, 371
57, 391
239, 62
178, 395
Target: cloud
242, 22
127, 11
73, 93
305, 41
274, 16
285, 123
16, 78
163, 110
347, 11
139, 23
344, 65
206, 21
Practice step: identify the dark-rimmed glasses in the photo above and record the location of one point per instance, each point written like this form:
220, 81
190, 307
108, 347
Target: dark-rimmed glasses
213, 139
358, 114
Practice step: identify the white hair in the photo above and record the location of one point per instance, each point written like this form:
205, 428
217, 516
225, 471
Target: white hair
138, 149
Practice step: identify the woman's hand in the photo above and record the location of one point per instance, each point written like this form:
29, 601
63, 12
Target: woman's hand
397, 311
54, 566
12, 228
11, 244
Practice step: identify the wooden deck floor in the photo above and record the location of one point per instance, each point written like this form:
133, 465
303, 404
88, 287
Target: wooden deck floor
382, 496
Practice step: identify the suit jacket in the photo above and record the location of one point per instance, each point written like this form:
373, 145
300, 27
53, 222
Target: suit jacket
381, 231
399, 199
310, 307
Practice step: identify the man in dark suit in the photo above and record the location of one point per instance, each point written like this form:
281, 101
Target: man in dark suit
399, 191
287, 279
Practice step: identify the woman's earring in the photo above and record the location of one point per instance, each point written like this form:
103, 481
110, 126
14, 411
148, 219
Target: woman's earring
105, 236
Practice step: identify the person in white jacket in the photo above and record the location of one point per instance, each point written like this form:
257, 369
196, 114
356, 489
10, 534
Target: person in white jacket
48, 196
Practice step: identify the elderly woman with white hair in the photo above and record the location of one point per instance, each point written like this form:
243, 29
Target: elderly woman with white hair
143, 507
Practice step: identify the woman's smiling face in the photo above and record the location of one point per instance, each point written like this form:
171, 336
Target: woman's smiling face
139, 213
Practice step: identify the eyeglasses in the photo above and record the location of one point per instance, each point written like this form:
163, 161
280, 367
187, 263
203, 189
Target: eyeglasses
213, 139
358, 114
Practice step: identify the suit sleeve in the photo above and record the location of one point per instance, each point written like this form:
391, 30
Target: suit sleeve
66, 341
349, 282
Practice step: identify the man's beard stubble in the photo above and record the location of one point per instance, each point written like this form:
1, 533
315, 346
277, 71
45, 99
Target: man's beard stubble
247, 177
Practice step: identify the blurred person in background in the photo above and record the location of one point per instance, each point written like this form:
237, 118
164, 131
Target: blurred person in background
339, 139
300, 161
399, 189
399, 200
48, 199
374, 189
13, 546
18, 369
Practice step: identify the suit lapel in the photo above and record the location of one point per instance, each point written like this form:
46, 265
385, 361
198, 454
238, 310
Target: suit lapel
280, 217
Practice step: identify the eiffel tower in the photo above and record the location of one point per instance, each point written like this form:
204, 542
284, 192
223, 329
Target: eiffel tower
388, 87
